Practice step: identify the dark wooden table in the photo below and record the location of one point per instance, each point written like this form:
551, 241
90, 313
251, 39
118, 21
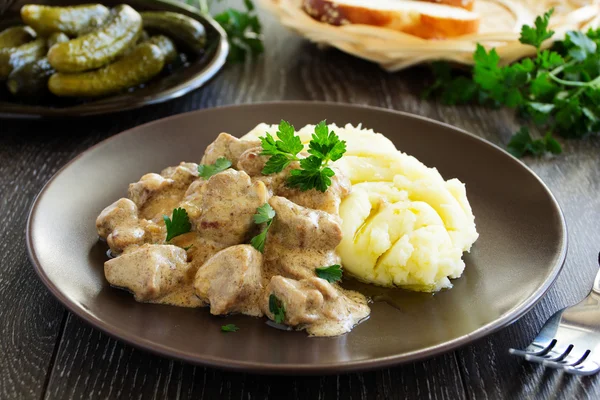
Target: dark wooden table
45, 352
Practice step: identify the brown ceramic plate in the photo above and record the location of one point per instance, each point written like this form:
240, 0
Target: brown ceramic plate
167, 86
519, 254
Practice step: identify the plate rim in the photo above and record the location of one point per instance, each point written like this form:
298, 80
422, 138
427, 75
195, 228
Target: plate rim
302, 369
216, 63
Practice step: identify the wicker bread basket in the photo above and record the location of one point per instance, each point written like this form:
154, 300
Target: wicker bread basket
501, 22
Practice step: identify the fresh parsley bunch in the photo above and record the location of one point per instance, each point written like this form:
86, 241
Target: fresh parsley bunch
314, 172
558, 89
244, 30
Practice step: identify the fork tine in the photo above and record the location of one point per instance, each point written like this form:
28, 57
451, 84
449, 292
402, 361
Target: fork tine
588, 368
560, 364
556, 359
542, 352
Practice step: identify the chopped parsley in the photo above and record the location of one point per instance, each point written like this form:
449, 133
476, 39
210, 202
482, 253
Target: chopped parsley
558, 89
521, 143
206, 171
276, 308
314, 172
178, 224
244, 30
264, 214
229, 328
331, 274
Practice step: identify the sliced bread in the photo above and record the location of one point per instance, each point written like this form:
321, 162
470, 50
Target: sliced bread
419, 18
466, 4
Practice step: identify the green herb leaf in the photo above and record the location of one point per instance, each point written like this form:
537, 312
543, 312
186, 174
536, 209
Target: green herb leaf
178, 224
583, 45
264, 214
324, 147
244, 32
314, 173
206, 171
331, 274
559, 89
277, 308
229, 328
521, 144
303, 179
535, 36
283, 151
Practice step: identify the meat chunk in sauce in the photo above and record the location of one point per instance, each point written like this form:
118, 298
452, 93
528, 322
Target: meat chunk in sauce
192, 199
231, 281
229, 147
183, 174
316, 305
149, 272
253, 163
155, 196
328, 201
229, 201
120, 226
300, 240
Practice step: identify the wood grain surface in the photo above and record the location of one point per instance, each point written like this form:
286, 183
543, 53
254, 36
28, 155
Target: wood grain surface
45, 352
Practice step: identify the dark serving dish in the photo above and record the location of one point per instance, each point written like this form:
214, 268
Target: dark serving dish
166, 86
519, 253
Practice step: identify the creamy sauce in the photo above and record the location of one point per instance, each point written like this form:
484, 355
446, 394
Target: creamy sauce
213, 265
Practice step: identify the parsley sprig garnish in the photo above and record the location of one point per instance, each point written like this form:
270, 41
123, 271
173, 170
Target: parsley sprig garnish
558, 89
282, 150
331, 274
277, 308
206, 171
264, 214
244, 30
521, 143
229, 328
178, 224
314, 173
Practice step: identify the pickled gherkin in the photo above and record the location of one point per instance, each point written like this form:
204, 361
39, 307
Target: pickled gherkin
14, 57
16, 36
166, 45
57, 37
68, 20
30, 80
100, 47
186, 30
142, 64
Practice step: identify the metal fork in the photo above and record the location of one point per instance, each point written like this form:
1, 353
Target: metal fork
570, 339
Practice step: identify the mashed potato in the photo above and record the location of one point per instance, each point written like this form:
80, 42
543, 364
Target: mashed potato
403, 224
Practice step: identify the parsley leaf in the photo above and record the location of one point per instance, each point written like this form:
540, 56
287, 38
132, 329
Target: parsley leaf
244, 30
314, 173
206, 171
535, 36
178, 224
521, 143
558, 89
331, 274
264, 214
276, 308
229, 328
324, 147
283, 151
583, 45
